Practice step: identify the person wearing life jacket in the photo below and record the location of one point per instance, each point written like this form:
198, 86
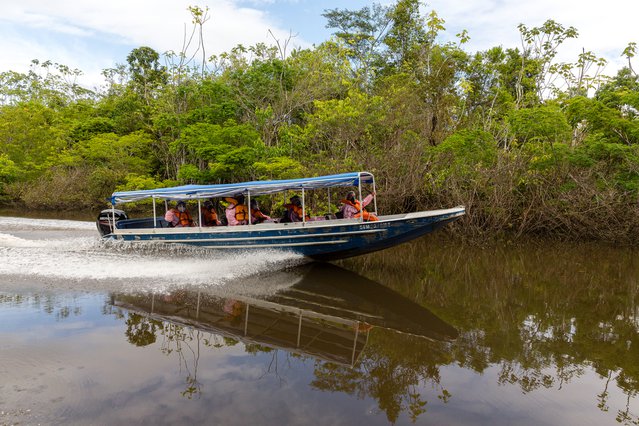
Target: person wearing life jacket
179, 216
294, 211
236, 211
352, 208
256, 214
209, 214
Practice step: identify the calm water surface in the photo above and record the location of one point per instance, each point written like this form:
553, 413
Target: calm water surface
431, 332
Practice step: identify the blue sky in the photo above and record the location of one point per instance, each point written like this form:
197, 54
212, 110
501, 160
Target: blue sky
92, 35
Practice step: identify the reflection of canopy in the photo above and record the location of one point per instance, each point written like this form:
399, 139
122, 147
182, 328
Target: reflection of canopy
255, 188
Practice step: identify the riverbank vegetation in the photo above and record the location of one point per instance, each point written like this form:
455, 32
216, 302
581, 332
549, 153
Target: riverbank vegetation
530, 145
526, 311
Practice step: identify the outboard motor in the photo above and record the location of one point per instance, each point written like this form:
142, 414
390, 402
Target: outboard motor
106, 220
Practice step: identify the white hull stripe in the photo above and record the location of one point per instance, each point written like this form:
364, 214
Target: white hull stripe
242, 246
278, 237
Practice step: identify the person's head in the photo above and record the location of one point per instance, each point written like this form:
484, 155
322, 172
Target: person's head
351, 196
208, 205
239, 198
254, 204
181, 206
296, 200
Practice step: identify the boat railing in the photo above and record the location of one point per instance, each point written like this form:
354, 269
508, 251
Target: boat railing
142, 223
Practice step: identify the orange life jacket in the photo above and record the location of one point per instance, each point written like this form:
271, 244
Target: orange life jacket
184, 218
297, 210
257, 216
241, 213
209, 217
368, 217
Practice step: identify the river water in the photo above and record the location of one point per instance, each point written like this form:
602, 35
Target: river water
432, 332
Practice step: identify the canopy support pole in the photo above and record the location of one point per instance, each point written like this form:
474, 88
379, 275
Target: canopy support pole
303, 208
199, 210
359, 188
374, 196
249, 207
113, 217
155, 215
329, 200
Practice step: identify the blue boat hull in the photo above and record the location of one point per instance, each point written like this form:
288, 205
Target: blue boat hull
322, 240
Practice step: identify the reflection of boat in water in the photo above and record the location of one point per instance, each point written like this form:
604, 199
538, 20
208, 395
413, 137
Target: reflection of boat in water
328, 313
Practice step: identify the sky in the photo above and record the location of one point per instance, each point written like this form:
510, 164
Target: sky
92, 35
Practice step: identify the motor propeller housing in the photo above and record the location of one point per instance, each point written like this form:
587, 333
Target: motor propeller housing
106, 221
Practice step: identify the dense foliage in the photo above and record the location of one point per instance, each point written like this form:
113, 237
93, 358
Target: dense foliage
528, 144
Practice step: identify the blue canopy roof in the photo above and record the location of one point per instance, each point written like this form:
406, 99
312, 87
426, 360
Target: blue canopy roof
186, 192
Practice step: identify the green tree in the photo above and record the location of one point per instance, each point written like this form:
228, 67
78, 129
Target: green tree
362, 32
539, 47
541, 124
31, 135
146, 72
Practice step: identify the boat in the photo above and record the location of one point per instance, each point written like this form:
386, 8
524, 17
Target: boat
320, 238
321, 310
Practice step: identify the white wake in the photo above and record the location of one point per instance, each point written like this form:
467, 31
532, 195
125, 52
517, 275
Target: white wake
76, 259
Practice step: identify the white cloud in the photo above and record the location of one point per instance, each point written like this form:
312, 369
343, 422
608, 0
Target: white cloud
604, 27
93, 35
39, 21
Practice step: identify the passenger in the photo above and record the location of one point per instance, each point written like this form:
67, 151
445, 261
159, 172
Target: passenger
294, 210
209, 214
179, 216
352, 208
236, 211
256, 214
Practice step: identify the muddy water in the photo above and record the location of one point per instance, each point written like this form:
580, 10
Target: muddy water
431, 332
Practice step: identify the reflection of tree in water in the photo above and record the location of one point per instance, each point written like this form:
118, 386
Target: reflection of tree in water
276, 362
185, 343
544, 315
61, 307
176, 340
543, 319
392, 370
140, 330
630, 387
384, 372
